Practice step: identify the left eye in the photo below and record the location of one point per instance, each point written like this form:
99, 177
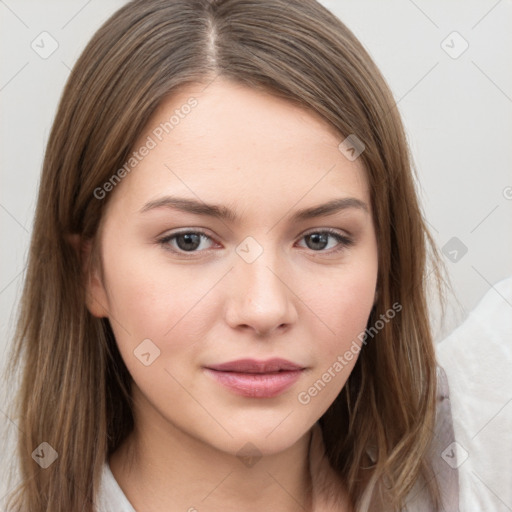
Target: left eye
318, 241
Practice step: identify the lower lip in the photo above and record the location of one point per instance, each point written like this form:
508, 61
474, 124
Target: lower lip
256, 385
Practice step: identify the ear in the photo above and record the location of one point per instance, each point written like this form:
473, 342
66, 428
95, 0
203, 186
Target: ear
96, 296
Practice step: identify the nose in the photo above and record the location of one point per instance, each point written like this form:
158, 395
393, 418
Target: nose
262, 298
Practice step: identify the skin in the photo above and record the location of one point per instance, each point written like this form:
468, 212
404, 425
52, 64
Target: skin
264, 158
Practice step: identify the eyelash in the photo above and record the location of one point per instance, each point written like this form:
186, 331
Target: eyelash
344, 241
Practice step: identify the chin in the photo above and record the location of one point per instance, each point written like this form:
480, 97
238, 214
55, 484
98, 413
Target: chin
263, 441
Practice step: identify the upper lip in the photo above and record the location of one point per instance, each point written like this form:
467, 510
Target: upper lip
255, 366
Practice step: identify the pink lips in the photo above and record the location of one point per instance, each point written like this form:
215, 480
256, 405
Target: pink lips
256, 379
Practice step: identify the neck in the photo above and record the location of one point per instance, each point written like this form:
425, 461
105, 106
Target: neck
161, 468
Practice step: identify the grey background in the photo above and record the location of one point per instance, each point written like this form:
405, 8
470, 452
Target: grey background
457, 114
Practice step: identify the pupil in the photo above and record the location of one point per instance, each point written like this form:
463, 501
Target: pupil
188, 238
318, 238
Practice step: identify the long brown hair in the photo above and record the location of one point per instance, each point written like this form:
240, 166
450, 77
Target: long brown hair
75, 389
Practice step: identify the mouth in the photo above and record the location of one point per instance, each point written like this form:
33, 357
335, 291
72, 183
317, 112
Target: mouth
256, 379
253, 366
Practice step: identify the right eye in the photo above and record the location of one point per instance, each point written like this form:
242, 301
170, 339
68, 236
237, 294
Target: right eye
183, 242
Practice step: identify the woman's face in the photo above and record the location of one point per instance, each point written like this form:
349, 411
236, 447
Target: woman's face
241, 232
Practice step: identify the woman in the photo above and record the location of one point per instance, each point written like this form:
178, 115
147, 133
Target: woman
225, 296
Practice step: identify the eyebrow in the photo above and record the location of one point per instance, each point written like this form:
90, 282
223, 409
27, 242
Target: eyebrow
224, 213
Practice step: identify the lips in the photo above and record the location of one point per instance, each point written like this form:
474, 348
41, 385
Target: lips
254, 366
256, 379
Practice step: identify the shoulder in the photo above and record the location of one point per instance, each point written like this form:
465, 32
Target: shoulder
477, 357
442, 456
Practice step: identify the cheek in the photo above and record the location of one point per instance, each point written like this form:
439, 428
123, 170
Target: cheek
163, 303
343, 304
350, 307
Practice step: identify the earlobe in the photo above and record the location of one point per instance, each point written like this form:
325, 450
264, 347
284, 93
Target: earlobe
96, 298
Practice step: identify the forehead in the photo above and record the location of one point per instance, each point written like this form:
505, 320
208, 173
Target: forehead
227, 140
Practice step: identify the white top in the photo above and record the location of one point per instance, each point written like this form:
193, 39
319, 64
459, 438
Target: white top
477, 358
110, 497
